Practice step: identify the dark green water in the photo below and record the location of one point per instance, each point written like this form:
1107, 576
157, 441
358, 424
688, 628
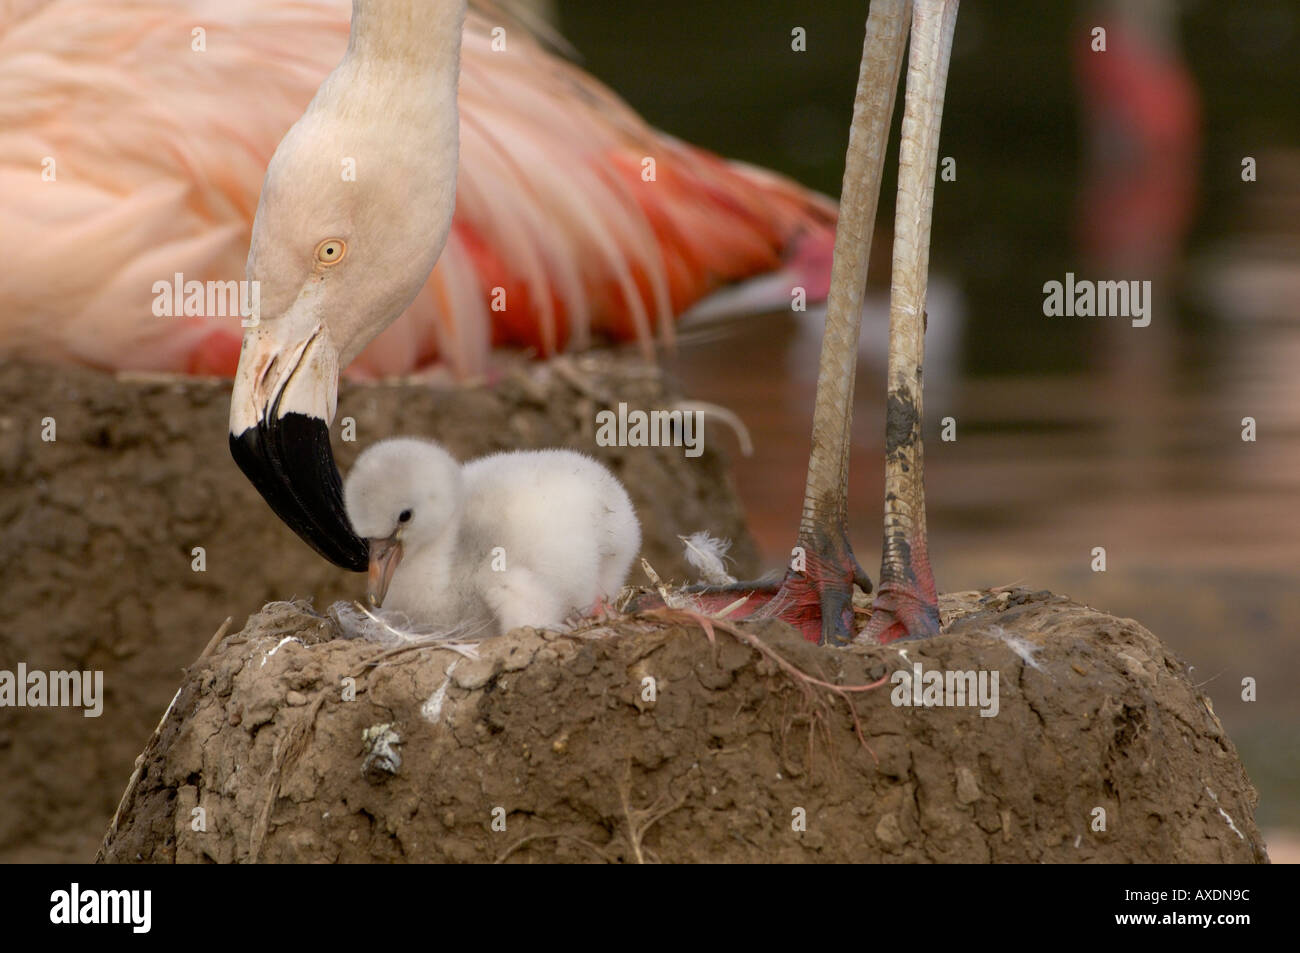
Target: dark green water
721, 74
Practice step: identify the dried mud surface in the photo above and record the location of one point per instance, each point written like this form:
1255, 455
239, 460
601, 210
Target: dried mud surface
553, 738
97, 530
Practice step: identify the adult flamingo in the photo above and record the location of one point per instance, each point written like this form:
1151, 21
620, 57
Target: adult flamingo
135, 134
341, 266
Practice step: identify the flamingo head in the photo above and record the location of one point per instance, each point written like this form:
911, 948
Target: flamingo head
402, 494
354, 211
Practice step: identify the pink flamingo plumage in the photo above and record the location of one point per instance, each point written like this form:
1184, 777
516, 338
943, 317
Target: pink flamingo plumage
158, 152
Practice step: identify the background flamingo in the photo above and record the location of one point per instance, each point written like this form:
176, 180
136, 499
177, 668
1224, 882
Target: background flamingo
158, 150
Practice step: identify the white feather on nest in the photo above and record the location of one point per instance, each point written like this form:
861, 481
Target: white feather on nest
393, 628
708, 554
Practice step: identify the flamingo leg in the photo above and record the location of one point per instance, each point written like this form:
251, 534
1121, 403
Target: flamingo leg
906, 603
816, 594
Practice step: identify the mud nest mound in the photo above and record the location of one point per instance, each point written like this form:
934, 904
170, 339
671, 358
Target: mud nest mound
665, 737
98, 529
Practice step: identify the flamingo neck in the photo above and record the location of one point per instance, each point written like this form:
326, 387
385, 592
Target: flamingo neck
424, 34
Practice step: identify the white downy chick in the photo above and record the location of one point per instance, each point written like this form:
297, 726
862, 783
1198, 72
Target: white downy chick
521, 538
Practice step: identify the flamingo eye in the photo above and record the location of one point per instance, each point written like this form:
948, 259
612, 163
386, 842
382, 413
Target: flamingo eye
404, 516
331, 251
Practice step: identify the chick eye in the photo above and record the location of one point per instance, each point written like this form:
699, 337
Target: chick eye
404, 516
331, 251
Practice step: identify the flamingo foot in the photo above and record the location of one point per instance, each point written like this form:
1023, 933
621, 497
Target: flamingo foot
715, 600
906, 605
817, 599
602, 610
901, 612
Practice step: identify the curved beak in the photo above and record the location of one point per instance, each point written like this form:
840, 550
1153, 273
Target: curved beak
283, 402
385, 554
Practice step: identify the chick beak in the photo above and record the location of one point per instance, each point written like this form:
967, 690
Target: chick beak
385, 554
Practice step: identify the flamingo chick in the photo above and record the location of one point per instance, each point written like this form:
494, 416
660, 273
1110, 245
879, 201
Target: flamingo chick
522, 538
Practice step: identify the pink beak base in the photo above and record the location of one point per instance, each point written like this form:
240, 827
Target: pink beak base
385, 554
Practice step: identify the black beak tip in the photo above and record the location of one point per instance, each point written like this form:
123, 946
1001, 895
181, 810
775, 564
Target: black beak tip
290, 462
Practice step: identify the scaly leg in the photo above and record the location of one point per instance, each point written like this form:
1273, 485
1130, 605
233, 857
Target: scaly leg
906, 605
816, 594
